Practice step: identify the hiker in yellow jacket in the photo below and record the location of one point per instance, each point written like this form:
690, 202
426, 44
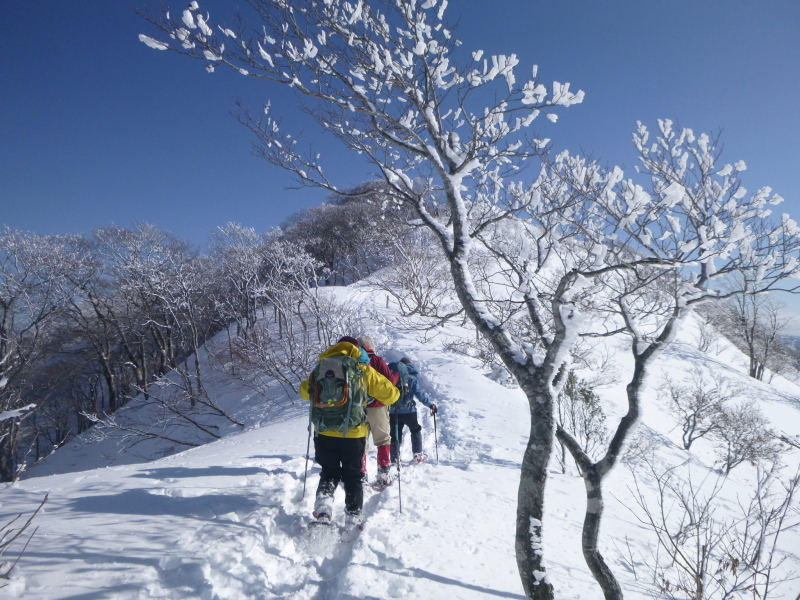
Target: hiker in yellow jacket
339, 453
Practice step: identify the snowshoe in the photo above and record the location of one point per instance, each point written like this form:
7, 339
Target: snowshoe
381, 483
385, 478
419, 457
322, 531
321, 519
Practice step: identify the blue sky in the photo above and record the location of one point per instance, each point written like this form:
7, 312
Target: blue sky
96, 128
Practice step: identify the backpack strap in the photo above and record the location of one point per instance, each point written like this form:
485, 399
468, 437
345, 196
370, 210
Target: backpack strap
311, 414
350, 402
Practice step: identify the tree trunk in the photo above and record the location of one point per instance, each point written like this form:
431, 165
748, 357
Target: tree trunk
591, 531
111, 385
530, 504
594, 473
8, 446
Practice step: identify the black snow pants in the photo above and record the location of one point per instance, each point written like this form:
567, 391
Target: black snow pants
397, 421
340, 459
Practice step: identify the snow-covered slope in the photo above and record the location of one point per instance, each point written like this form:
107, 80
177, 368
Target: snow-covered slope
228, 520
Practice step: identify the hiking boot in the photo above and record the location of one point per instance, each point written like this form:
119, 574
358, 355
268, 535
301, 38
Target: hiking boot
352, 527
323, 505
353, 521
384, 477
420, 457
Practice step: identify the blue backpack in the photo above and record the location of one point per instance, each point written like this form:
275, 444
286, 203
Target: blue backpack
404, 385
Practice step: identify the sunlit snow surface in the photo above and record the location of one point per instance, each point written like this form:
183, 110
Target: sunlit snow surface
228, 520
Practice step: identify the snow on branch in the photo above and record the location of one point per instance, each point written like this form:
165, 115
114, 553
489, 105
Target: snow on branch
152, 43
16, 413
386, 81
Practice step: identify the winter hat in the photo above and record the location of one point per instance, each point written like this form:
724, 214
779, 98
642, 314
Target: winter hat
366, 342
349, 340
405, 360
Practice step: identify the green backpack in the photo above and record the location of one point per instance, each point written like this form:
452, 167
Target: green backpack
338, 394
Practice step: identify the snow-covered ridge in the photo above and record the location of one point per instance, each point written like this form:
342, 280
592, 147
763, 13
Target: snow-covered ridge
227, 520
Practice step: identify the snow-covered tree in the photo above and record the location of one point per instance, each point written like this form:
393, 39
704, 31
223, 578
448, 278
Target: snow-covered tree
349, 234
744, 435
754, 324
142, 307
677, 243
384, 83
31, 270
237, 256
697, 400
392, 84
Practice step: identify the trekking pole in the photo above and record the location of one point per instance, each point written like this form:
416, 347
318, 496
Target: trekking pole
308, 449
435, 436
397, 437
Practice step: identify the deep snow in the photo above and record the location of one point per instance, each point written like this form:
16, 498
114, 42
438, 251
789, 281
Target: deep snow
228, 520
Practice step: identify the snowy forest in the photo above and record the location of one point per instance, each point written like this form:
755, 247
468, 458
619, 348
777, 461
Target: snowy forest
587, 296
91, 321
121, 318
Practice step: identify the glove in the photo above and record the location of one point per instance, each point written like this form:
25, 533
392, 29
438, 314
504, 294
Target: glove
434, 410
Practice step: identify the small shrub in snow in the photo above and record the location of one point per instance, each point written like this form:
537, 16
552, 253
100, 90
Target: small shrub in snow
707, 337
698, 402
640, 448
10, 532
579, 412
284, 349
418, 281
707, 553
744, 435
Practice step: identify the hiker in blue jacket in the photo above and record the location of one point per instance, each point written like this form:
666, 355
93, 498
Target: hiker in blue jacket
404, 413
